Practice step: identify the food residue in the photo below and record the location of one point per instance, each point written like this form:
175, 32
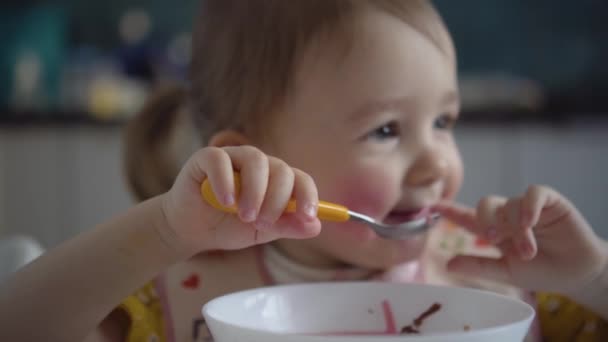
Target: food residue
415, 326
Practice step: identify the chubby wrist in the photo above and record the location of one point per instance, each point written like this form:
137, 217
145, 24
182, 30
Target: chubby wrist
162, 227
594, 295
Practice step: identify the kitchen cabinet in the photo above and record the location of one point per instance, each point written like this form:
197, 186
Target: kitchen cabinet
58, 181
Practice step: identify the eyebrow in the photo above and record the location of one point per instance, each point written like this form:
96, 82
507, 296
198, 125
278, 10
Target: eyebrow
449, 99
375, 106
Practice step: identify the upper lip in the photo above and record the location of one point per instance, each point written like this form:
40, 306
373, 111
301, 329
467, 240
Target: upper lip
407, 210
410, 208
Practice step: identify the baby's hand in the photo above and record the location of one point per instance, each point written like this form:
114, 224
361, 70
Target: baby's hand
546, 243
267, 184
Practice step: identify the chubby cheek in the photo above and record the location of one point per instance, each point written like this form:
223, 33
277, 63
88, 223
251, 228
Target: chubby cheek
455, 176
370, 192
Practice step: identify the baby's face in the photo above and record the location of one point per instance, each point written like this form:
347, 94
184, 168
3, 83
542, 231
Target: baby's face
372, 124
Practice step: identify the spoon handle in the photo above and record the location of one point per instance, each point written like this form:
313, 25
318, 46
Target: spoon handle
326, 211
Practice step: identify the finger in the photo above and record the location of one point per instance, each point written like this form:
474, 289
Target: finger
523, 239
507, 220
486, 268
512, 214
254, 169
278, 193
287, 227
293, 227
507, 249
460, 215
525, 244
215, 165
306, 195
488, 216
536, 199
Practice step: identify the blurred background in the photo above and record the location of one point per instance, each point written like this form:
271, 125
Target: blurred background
533, 78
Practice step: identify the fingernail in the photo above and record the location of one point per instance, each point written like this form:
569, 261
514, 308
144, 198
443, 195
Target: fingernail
229, 199
310, 210
261, 224
248, 215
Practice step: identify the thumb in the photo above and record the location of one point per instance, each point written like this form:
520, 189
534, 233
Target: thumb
486, 268
293, 227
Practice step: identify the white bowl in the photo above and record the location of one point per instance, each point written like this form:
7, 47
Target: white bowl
367, 312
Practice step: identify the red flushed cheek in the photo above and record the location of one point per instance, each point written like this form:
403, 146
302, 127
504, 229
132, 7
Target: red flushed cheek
369, 201
369, 194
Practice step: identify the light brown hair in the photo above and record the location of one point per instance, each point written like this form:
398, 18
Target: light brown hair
245, 53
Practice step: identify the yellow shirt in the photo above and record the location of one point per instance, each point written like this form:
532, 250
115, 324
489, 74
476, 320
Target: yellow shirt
563, 320
560, 319
145, 312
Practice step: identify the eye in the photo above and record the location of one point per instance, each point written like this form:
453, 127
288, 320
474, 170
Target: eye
445, 122
385, 132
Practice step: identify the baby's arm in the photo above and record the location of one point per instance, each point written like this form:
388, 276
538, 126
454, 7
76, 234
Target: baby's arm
67, 292
64, 295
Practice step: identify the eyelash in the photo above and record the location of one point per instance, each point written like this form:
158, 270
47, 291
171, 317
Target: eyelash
445, 122
390, 130
387, 131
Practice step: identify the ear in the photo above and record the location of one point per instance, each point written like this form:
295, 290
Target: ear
228, 138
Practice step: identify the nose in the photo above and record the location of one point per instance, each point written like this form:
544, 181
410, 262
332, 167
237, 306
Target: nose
429, 167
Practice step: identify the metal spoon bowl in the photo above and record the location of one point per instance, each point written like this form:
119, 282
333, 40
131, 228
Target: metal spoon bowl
399, 231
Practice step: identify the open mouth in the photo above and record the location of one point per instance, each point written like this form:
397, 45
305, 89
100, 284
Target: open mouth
399, 216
